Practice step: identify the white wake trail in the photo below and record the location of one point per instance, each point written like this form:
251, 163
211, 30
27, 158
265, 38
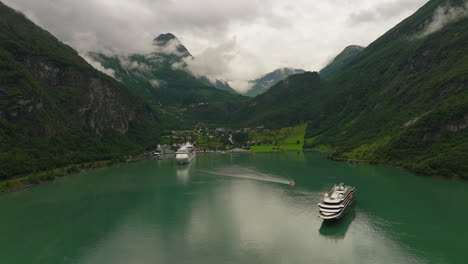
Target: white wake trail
245, 173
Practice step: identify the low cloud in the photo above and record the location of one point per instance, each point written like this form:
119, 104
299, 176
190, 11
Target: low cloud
213, 62
235, 41
173, 46
443, 16
139, 66
156, 83
130, 26
240, 85
363, 16
383, 10
98, 66
227, 62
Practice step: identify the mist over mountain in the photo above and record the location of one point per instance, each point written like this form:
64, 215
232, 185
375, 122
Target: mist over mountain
57, 110
201, 147
403, 100
171, 43
218, 84
162, 77
250, 38
262, 84
340, 61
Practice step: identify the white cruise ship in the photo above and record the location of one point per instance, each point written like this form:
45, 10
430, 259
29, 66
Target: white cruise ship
336, 202
185, 154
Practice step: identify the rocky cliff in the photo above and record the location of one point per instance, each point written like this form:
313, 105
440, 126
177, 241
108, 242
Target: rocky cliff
56, 109
92, 100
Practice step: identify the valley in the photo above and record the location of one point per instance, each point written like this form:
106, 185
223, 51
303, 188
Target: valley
401, 101
233, 131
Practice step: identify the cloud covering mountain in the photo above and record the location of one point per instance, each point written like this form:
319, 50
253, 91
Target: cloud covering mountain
232, 40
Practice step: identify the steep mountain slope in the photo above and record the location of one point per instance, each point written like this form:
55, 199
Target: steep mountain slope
284, 104
340, 61
55, 109
268, 80
403, 101
414, 105
218, 84
170, 44
162, 78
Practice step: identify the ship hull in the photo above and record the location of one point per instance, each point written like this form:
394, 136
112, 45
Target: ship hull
185, 160
333, 209
336, 215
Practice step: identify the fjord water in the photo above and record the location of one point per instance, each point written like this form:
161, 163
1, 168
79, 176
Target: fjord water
235, 208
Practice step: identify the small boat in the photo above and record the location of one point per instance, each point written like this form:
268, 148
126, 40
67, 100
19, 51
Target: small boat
336, 202
185, 154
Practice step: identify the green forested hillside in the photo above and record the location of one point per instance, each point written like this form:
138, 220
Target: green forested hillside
340, 61
153, 78
285, 104
161, 79
268, 80
57, 110
403, 101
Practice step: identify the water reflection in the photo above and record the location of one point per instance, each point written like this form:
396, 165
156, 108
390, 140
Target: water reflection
183, 172
337, 229
184, 215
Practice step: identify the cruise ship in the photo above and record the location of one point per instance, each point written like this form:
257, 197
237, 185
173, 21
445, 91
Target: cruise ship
336, 202
185, 154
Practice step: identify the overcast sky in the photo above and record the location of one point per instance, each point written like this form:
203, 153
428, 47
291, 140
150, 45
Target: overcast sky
243, 38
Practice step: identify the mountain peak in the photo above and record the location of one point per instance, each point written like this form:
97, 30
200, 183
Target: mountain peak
286, 71
171, 44
353, 47
265, 82
165, 37
341, 61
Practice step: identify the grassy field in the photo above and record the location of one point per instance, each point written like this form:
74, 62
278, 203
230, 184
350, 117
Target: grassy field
288, 138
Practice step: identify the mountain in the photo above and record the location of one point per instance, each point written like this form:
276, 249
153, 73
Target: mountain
341, 61
56, 109
267, 81
284, 104
218, 84
403, 101
161, 77
169, 41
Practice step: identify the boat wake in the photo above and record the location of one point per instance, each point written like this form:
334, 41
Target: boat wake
246, 173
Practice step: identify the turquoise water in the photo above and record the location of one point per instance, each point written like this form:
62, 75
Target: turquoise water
237, 208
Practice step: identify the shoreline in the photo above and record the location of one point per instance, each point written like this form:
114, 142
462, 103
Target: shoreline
26, 181
43, 177
32, 180
375, 163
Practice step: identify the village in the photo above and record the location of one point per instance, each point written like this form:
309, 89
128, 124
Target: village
207, 139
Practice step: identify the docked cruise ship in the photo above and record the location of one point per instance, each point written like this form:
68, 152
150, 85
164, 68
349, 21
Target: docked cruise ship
185, 154
336, 202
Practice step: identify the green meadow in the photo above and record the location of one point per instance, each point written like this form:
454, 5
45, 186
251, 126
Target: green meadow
288, 138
